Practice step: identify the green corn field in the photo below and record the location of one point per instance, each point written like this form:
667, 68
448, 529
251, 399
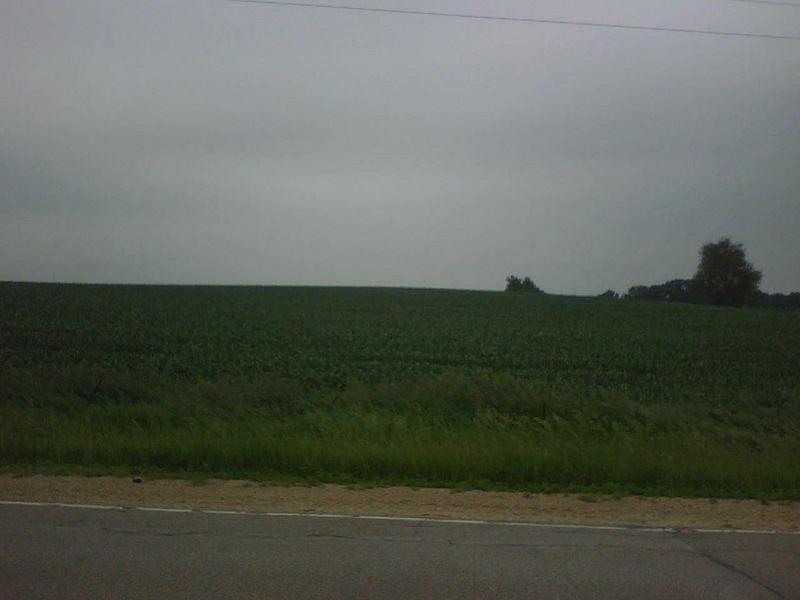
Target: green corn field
421, 387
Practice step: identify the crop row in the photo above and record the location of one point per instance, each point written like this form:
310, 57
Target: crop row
646, 351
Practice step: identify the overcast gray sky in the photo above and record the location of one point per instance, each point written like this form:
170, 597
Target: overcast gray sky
202, 141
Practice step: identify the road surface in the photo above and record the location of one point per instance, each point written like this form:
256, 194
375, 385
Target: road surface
71, 552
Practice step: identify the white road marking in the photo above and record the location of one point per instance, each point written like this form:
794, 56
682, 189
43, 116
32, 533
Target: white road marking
399, 518
421, 519
92, 506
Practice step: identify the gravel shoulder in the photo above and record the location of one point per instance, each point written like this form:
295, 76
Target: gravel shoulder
679, 513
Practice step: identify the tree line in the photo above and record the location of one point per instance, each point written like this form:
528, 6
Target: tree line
681, 290
724, 277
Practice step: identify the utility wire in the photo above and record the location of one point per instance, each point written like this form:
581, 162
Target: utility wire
517, 19
777, 2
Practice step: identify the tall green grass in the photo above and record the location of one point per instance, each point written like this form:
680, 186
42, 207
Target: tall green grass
481, 430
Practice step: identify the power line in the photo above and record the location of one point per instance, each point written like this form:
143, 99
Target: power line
776, 2
520, 19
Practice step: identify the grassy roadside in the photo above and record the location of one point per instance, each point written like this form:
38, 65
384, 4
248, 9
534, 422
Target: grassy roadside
481, 430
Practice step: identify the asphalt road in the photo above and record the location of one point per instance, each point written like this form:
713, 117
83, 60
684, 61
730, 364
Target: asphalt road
68, 552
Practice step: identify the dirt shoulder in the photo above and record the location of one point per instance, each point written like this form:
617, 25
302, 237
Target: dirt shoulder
679, 513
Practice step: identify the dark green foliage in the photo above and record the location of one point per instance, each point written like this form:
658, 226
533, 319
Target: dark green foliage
724, 277
778, 301
323, 338
515, 284
609, 294
676, 290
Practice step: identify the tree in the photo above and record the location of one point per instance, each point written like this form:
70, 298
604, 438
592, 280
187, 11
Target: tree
529, 286
515, 284
724, 276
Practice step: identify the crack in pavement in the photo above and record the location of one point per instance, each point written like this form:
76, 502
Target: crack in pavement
150, 529
729, 567
154, 530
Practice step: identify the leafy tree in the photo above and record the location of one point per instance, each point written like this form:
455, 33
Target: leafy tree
724, 276
609, 294
515, 284
529, 286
